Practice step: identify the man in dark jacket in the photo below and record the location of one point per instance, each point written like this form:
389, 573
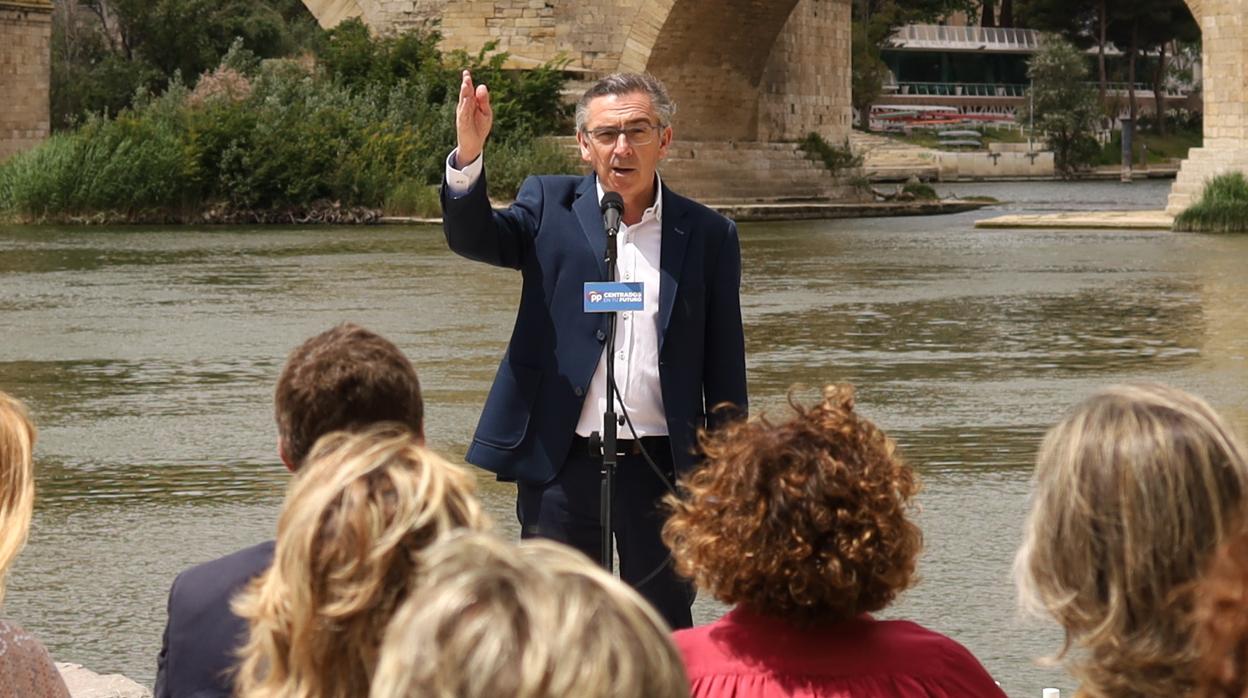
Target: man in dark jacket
346, 378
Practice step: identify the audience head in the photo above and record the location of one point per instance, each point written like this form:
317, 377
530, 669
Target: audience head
17, 480
807, 520
1132, 491
349, 537
1222, 622
344, 379
537, 620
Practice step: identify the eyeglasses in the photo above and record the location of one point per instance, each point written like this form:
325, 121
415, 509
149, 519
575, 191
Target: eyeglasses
636, 134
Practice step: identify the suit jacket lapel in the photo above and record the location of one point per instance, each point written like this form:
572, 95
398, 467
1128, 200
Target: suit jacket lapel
671, 258
589, 214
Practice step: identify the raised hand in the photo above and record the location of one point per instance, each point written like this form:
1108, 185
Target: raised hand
473, 119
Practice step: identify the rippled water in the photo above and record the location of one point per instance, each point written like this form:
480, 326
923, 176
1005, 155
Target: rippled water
149, 356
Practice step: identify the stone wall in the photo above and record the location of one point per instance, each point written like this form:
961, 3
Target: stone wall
25, 74
806, 86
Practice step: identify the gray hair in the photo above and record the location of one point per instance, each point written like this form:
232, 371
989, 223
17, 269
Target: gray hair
627, 84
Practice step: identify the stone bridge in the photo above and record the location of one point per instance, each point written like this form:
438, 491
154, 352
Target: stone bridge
25, 74
749, 76
1224, 71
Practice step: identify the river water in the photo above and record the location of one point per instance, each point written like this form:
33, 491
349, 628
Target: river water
149, 355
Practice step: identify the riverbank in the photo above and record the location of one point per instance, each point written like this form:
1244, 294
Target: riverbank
799, 210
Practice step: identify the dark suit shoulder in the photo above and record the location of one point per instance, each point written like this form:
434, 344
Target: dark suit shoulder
222, 577
702, 214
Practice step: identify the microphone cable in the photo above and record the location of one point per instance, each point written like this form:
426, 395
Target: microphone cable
671, 487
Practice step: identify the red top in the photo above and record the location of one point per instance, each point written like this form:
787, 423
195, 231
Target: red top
745, 655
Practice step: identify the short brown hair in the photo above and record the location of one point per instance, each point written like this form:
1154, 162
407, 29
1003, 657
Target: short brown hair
345, 378
805, 521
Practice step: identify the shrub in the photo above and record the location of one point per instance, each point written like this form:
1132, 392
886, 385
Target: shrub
1222, 208
834, 158
509, 162
920, 191
285, 136
413, 198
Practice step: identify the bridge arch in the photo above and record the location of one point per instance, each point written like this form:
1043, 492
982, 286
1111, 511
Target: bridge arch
712, 56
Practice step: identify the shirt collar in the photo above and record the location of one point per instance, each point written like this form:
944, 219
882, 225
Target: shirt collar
656, 210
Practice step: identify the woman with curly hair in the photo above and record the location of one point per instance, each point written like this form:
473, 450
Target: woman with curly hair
349, 542
804, 527
1132, 493
1222, 622
25, 667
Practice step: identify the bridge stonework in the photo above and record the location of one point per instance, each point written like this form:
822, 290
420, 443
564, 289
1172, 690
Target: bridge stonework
739, 70
25, 74
1224, 74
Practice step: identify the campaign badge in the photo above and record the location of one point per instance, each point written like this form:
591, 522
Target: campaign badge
614, 296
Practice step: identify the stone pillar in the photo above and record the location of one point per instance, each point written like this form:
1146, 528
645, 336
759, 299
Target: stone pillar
25, 74
1224, 58
806, 86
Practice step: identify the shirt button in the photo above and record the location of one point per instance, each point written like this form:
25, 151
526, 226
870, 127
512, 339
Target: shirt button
621, 356
602, 336
579, 391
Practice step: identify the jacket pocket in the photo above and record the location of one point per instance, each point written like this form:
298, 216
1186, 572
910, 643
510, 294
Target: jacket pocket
505, 420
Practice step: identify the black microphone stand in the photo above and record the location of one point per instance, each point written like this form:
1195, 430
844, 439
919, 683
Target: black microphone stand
609, 424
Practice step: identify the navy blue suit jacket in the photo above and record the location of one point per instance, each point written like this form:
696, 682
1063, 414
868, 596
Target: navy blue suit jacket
554, 235
202, 634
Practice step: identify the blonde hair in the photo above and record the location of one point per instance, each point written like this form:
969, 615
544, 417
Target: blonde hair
1132, 492
348, 541
538, 620
17, 480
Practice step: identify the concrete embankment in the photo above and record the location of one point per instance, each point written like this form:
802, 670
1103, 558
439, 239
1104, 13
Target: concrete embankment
84, 683
1109, 220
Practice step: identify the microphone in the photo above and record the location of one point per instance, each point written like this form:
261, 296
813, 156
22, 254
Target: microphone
612, 211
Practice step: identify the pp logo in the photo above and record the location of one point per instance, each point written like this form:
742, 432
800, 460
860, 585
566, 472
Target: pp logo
594, 296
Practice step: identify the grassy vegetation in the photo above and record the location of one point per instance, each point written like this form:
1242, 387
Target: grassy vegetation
923, 192
1222, 208
1160, 149
836, 158
367, 128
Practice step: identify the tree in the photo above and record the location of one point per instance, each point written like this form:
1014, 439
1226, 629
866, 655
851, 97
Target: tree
1146, 26
106, 50
1064, 107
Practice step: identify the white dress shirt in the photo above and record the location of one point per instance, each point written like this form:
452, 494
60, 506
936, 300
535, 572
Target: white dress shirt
636, 351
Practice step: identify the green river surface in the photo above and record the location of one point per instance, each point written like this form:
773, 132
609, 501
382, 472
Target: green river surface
149, 355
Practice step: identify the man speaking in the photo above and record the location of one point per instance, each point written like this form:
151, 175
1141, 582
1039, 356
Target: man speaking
675, 360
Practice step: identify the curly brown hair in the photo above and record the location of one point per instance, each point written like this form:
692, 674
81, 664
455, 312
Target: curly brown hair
805, 520
1222, 622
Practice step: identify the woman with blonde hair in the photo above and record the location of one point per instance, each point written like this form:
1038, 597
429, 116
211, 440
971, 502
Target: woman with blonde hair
349, 539
1132, 493
805, 528
26, 669
537, 620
